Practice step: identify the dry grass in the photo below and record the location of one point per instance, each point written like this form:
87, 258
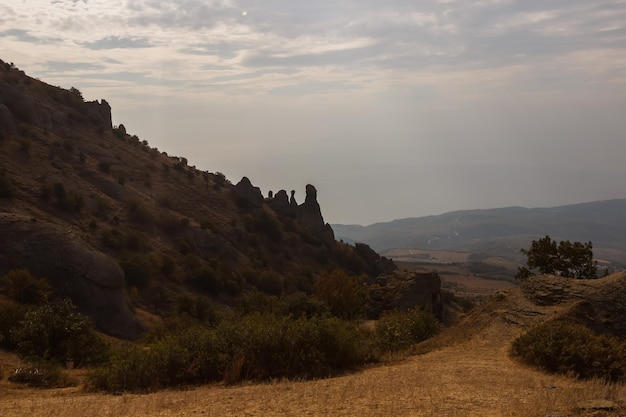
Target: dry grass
467, 373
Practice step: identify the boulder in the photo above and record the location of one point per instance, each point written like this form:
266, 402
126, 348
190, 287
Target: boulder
93, 281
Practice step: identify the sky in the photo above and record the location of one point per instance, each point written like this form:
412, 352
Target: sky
392, 108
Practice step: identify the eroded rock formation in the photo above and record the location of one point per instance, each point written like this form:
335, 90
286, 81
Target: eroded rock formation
92, 280
405, 291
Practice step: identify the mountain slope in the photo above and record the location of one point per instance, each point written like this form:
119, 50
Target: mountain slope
501, 231
111, 221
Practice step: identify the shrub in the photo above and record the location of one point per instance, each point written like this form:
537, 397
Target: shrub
66, 200
43, 375
263, 346
267, 223
138, 270
345, 294
256, 346
399, 330
20, 285
113, 239
58, 332
188, 356
139, 213
204, 279
11, 313
569, 348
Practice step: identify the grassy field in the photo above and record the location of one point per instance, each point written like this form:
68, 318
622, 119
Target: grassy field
464, 371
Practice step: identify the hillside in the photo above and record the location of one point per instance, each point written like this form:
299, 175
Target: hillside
120, 227
466, 371
502, 231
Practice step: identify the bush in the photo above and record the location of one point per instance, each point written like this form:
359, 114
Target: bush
20, 285
58, 332
345, 294
569, 348
398, 330
11, 314
43, 375
267, 223
256, 346
138, 270
204, 279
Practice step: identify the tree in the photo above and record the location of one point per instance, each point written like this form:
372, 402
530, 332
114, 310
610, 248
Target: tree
58, 332
566, 259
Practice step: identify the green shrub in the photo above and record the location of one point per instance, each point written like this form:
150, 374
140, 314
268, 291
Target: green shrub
569, 348
138, 270
267, 223
204, 279
256, 346
263, 346
344, 293
113, 239
20, 285
66, 200
398, 330
11, 314
139, 213
58, 332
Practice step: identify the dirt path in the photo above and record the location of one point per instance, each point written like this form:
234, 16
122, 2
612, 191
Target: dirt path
474, 377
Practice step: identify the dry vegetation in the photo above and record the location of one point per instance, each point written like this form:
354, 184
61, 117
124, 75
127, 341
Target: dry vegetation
466, 371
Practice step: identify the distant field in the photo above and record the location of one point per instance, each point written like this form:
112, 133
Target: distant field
459, 274
500, 261
434, 256
472, 286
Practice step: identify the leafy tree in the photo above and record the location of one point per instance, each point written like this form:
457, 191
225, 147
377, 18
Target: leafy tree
58, 332
566, 259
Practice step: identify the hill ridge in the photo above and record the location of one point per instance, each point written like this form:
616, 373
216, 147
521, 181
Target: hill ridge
494, 231
165, 231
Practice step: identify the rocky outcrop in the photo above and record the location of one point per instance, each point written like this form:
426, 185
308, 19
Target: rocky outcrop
378, 264
310, 215
92, 280
103, 110
421, 290
405, 291
247, 195
598, 303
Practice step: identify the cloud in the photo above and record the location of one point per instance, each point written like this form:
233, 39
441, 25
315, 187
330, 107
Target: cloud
22, 36
117, 42
396, 90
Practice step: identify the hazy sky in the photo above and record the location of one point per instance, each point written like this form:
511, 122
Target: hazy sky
391, 109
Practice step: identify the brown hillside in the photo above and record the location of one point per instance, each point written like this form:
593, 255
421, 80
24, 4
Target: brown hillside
108, 219
467, 372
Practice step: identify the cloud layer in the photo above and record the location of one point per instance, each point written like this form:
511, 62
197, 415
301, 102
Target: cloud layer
393, 109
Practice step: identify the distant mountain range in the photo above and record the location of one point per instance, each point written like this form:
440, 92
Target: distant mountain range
501, 231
